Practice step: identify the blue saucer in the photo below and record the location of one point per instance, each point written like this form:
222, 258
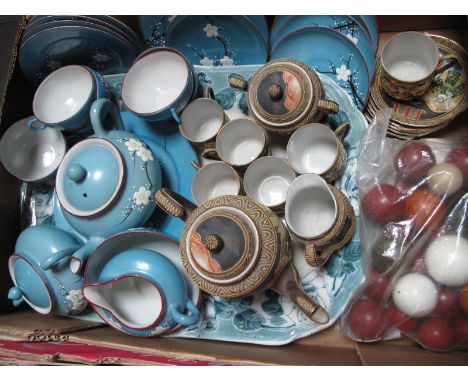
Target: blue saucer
370, 23
217, 40
346, 25
332, 54
53, 48
277, 24
261, 23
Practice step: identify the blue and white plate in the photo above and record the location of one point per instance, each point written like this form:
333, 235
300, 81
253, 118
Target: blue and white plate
346, 25
154, 29
261, 23
330, 53
370, 23
217, 40
53, 48
277, 24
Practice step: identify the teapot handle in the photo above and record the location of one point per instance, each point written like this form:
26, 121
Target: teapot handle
50, 261
184, 319
327, 106
238, 83
342, 131
174, 204
315, 258
100, 110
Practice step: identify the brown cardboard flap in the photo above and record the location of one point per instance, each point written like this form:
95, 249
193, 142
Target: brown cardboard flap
34, 327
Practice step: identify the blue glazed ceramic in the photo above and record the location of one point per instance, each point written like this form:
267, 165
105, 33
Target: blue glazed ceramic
343, 24
41, 274
154, 29
370, 23
140, 292
217, 40
277, 24
329, 52
261, 23
159, 85
106, 183
53, 48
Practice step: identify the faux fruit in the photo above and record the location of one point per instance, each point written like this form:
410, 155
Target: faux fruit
415, 295
403, 322
383, 203
459, 157
444, 179
461, 331
368, 320
424, 208
447, 304
436, 334
463, 298
377, 285
413, 160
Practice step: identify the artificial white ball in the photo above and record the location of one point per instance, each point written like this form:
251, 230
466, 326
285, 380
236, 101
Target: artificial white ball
446, 260
444, 179
415, 295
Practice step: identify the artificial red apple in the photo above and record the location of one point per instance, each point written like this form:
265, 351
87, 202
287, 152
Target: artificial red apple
413, 160
447, 303
436, 334
459, 157
424, 208
368, 320
461, 331
383, 203
403, 322
463, 298
377, 285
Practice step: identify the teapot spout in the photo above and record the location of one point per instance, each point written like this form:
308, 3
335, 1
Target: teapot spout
133, 301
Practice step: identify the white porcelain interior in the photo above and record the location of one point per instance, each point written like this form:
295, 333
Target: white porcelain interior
201, 120
410, 56
31, 155
312, 149
154, 82
63, 94
11, 268
267, 180
240, 142
310, 206
214, 179
134, 301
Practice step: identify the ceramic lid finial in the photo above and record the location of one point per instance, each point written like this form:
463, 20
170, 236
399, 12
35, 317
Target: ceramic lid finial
275, 92
76, 173
214, 243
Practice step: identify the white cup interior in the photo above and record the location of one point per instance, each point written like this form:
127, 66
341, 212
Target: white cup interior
312, 149
31, 155
63, 94
154, 82
267, 180
201, 120
214, 179
310, 206
240, 141
410, 56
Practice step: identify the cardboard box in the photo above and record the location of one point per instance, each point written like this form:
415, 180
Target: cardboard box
90, 343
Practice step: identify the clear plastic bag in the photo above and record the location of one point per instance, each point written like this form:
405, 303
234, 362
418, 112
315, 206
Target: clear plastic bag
414, 240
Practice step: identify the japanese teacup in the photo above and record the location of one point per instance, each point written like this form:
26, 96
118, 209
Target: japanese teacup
320, 216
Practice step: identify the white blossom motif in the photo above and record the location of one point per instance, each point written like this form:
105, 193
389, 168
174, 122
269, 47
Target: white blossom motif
99, 57
53, 65
77, 300
211, 30
142, 196
352, 38
226, 61
133, 145
144, 154
343, 73
206, 62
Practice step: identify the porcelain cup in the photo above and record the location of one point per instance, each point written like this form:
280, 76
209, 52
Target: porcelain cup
409, 63
63, 100
316, 149
239, 143
159, 85
201, 121
267, 180
320, 216
215, 179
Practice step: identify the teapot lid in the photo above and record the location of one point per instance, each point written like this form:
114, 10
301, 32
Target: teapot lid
282, 92
90, 177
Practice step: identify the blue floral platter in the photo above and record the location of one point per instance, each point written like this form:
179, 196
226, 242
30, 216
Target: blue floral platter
330, 53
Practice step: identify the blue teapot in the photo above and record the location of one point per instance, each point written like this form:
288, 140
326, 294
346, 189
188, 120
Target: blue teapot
140, 292
106, 183
40, 271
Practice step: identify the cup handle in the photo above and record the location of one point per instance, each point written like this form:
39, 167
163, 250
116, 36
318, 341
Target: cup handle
195, 165
342, 130
100, 109
174, 204
210, 153
50, 261
315, 258
183, 319
176, 116
208, 92
289, 285
16, 295
80, 257
33, 121
327, 106
238, 83
448, 57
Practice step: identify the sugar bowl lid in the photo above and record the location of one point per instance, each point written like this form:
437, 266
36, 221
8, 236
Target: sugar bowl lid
90, 177
282, 93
